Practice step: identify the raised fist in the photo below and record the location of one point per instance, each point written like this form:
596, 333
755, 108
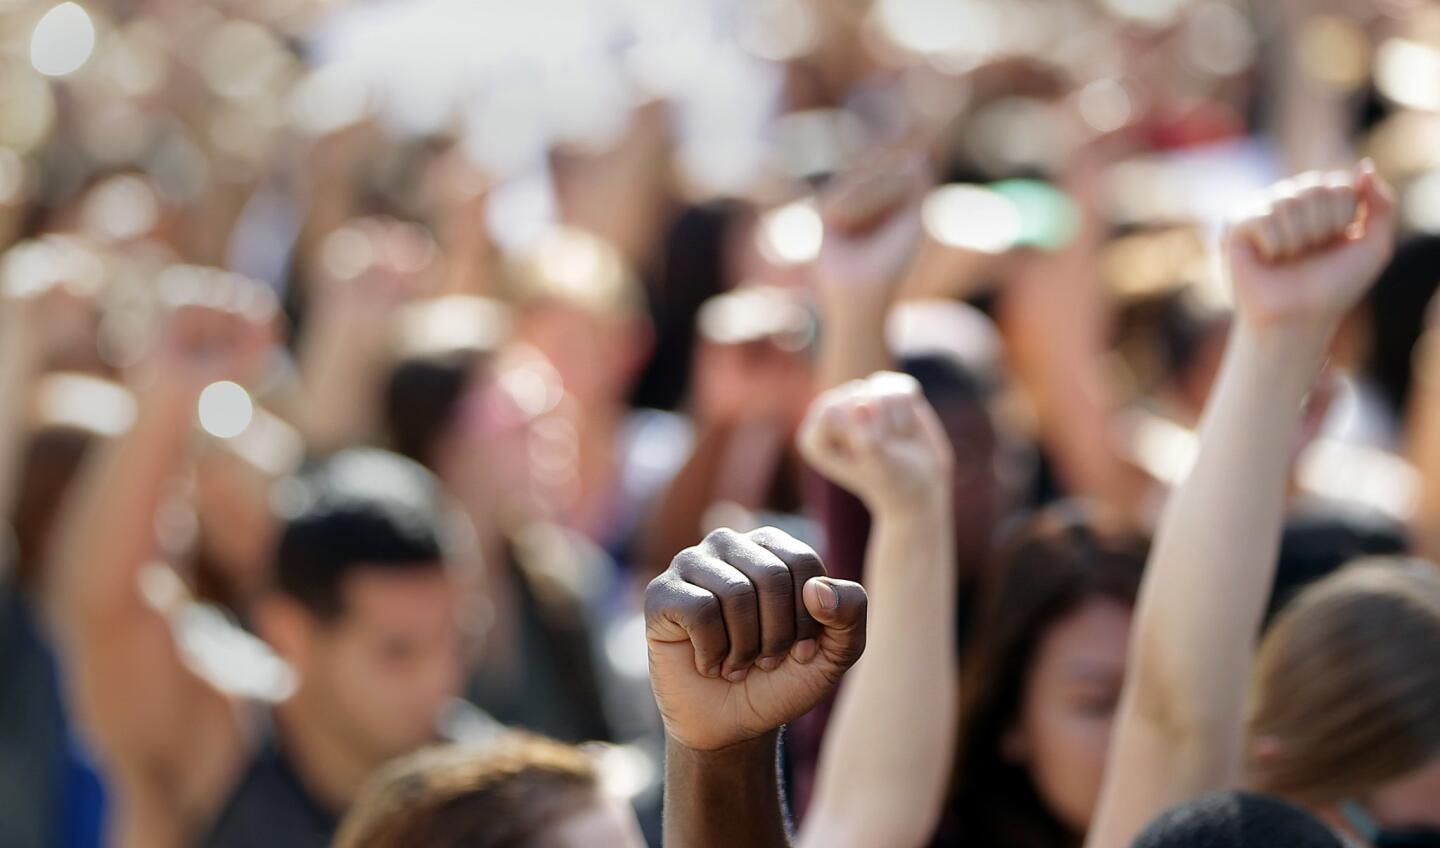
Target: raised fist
1312, 248
872, 225
746, 633
879, 438
215, 325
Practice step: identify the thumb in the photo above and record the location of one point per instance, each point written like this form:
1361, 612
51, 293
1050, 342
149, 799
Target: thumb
839, 607
1378, 197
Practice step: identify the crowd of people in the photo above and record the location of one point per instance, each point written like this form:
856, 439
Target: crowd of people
720, 423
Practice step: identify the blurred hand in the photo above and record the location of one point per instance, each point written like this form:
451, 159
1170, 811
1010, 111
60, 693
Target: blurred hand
880, 439
872, 228
1312, 249
746, 633
216, 326
371, 267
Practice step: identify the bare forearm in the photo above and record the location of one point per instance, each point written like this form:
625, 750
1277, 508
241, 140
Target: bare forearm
719, 799
340, 370
108, 531
19, 362
1425, 444
886, 761
852, 342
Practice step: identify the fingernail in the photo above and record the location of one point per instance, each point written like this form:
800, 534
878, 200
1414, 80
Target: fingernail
828, 597
738, 675
804, 650
768, 663
713, 672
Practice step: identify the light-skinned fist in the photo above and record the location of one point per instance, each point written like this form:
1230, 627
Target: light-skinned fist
746, 633
880, 438
1312, 247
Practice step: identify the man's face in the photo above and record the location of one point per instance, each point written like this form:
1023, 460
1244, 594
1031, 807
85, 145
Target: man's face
391, 661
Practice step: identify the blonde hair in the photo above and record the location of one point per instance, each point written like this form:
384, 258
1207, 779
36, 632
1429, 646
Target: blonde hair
1347, 684
575, 267
452, 796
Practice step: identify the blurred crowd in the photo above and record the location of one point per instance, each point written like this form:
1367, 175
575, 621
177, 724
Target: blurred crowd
362, 361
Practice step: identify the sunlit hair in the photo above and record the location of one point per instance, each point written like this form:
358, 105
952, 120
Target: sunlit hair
458, 797
571, 266
1347, 684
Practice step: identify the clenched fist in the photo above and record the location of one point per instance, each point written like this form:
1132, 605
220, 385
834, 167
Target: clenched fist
879, 438
746, 633
1312, 247
216, 325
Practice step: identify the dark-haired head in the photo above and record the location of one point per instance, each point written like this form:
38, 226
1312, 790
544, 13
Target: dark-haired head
1237, 820
363, 606
1042, 678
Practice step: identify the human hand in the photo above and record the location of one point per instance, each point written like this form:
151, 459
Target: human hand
872, 229
879, 438
1311, 249
215, 325
746, 633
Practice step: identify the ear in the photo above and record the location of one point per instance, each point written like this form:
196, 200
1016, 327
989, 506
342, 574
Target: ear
1015, 746
287, 627
1266, 747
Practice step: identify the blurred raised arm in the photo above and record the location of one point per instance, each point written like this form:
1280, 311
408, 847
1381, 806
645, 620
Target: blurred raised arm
148, 713
872, 230
1297, 265
887, 753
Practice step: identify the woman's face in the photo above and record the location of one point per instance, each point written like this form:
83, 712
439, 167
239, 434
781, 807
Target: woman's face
1071, 695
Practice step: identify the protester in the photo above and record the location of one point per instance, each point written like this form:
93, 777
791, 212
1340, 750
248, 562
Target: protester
1298, 265
360, 607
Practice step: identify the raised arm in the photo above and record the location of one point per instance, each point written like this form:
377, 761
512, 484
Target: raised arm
1425, 435
872, 230
148, 713
1297, 266
887, 754
745, 633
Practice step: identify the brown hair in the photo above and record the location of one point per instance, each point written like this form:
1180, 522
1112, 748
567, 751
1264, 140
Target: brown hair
1347, 684
52, 460
452, 796
1058, 560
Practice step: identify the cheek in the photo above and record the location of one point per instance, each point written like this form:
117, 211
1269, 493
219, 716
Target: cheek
1067, 760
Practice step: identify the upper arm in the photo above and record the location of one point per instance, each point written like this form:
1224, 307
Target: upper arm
147, 713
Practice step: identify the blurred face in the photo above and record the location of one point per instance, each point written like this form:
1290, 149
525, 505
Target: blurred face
608, 821
597, 356
1071, 696
384, 669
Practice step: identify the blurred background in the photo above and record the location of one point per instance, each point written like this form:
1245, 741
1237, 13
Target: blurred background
564, 254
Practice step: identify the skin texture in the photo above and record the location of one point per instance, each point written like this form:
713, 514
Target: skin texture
745, 633
1298, 262
1066, 719
893, 720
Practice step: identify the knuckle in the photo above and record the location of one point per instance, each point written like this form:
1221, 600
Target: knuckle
721, 537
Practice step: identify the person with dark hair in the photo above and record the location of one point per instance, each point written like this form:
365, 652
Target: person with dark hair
362, 609
1237, 820
1042, 678
521, 791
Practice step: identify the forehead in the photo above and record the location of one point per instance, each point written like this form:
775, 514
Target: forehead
1091, 641
374, 592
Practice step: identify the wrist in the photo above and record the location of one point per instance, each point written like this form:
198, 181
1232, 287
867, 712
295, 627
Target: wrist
1299, 346
926, 503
